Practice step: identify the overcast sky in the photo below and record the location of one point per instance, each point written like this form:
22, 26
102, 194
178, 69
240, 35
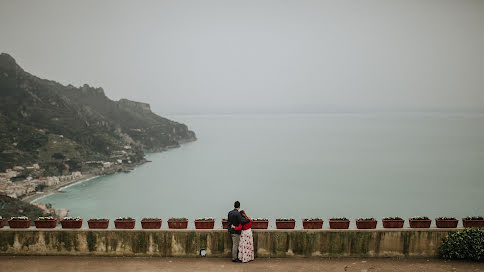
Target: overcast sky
257, 56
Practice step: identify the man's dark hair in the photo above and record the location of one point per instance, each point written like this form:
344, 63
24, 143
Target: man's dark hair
237, 204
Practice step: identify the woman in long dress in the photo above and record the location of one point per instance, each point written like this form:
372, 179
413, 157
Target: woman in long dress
246, 245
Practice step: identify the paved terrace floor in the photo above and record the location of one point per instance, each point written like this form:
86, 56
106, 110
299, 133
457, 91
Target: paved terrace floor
119, 264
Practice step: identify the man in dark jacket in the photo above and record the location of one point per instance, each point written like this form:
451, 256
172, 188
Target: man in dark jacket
234, 219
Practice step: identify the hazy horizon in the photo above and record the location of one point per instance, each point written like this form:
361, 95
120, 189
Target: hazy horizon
300, 166
223, 57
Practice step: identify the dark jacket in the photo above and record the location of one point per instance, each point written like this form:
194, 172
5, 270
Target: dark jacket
234, 219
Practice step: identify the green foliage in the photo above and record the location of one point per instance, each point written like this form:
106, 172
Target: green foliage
45, 218
24, 218
98, 219
178, 219
420, 218
150, 219
74, 165
446, 218
53, 168
204, 219
32, 141
338, 219
366, 219
465, 244
70, 218
393, 218
10, 207
58, 156
127, 218
42, 121
474, 218
40, 187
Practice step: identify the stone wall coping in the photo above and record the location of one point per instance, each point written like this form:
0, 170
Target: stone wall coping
381, 242
223, 230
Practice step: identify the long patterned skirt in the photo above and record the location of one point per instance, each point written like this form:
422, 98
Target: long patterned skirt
246, 246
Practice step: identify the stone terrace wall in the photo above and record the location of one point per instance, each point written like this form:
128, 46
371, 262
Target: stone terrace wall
188, 243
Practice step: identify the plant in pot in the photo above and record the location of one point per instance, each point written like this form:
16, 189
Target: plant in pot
45, 222
151, 223
285, 223
366, 223
124, 223
204, 223
422, 222
260, 223
178, 223
19, 222
473, 222
446, 222
71, 222
225, 223
312, 223
393, 222
98, 223
2, 222
339, 223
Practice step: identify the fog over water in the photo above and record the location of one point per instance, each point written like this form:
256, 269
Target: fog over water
301, 108
353, 165
258, 56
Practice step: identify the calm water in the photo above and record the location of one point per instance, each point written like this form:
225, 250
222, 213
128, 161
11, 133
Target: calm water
353, 165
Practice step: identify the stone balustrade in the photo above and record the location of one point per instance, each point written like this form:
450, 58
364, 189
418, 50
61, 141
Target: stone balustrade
217, 242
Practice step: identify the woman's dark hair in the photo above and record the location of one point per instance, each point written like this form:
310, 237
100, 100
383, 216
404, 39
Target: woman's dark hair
244, 215
237, 204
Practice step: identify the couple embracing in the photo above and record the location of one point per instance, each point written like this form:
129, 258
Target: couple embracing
239, 225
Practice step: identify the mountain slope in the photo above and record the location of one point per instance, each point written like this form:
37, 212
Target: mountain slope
13, 207
42, 121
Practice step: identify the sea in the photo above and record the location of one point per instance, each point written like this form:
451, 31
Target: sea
298, 166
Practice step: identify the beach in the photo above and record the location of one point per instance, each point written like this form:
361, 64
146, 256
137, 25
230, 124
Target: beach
57, 188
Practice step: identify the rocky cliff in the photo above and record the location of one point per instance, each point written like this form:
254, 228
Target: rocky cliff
45, 122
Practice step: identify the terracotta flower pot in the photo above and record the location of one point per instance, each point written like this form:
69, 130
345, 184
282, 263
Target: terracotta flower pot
2, 222
124, 224
312, 224
446, 223
151, 224
45, 223
283, 224
19, 224
392, 224
98, 224
71, 224
473, 223
204, 224
419, 224
366, 224
260, 224
339, 224
225, 223
172, 224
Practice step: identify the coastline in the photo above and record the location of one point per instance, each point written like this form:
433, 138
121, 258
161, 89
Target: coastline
57, 188
95, 174
85, 177
76, 182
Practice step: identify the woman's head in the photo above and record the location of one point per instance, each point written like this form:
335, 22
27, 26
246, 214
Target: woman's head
242, 212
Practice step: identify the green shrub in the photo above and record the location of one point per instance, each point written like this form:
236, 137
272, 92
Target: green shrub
466, 244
